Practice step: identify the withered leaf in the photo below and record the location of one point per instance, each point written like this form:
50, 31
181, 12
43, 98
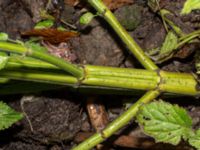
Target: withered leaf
111, 4
114, 4
51, 35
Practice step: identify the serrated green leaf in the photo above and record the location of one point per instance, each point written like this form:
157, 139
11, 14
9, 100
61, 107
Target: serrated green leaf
170, 43
3, 61
8, 116
165, 122
3, 36
189, 6
195, 140
44, 24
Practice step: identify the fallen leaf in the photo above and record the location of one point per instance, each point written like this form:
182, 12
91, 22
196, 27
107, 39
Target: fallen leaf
114, 4
51, 35
111, 4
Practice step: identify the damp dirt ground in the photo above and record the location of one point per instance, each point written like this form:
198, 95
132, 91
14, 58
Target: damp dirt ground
57, 119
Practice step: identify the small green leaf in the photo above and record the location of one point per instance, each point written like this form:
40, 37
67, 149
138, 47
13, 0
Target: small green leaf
8, 116
189, 6
3, 36
3, 61
195, 140
165, 122
86, 18
170, 43
44, 24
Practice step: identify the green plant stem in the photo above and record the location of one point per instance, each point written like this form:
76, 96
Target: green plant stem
39, 76
116, 124
18, 62
20, 49
105, 76
123, 34
184, 41
196, 32
181, 83
178, 83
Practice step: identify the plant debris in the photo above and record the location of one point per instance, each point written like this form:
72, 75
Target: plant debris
51, 35
111, 4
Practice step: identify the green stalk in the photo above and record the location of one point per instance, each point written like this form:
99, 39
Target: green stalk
20, 49
39, 76
116, 124
95, 75
17, 62
137, 79
183, 83
126, 78
123, 34
186, 40
119, 72
197, 32
135, 82
180, 83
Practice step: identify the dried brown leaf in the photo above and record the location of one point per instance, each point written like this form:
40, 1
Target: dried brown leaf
114, 4
111, 4
51, 35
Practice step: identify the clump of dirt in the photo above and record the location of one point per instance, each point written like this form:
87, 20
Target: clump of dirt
129, 16
47, 121
97, 46
23, 146
14, 18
